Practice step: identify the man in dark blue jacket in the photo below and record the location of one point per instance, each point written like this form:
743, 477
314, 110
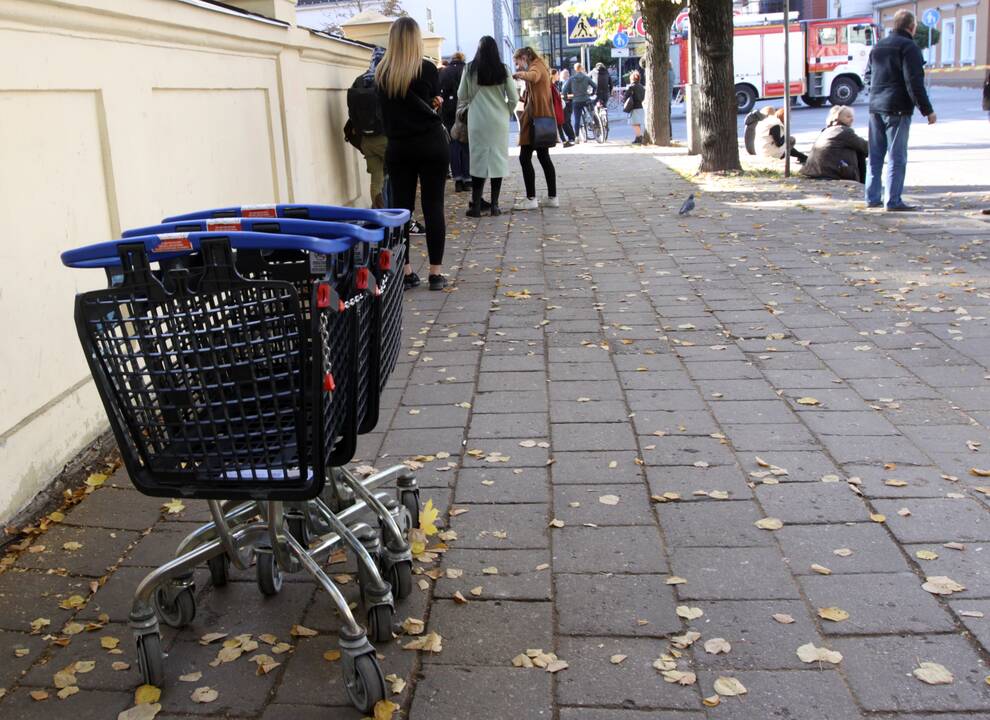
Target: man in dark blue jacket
896, 73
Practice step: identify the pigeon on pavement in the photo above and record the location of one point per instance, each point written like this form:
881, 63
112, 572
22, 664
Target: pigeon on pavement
688, 205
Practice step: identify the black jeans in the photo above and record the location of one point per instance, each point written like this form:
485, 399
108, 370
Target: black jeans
423, 159
529, 174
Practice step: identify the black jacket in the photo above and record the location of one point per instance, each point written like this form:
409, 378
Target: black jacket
834, 156
896, 75
637, 92
412, 116
450, 80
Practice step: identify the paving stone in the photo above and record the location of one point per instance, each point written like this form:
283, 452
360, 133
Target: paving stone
770, 438
400, 443
608, 549
19, 705
758, 641
613, 714
878, 670
571, 411
685, 422
13, 665
517, 577
86, 646
446, 394
752, 411
978, 626
887, 603
595, 468
687, 450
633, 507
483, 427
606, 604
525, 526
669, 400
101, 548
593, 680
808, 694
808, 503
503, 692
716, 523
518, 455
27, 595
921, 481
874, 450
431, 416
499, 630
732, 574
592, 436
502, 485
873, 550
936, 520
102, 508
687, 480
968, 567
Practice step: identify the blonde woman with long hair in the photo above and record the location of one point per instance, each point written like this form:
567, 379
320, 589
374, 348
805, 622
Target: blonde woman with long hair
418, 151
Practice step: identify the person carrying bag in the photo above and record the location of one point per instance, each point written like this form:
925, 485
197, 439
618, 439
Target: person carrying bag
537, 128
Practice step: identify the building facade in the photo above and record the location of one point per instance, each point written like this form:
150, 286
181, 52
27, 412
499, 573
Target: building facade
962, 54
462, 23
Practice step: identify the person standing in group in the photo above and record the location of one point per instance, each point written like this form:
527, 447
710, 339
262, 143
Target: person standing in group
580, 89
490, 93
536, 127
564, 129
418, 150
895, 73
365, 129
450, 80
568, 130
603, 84
632, 103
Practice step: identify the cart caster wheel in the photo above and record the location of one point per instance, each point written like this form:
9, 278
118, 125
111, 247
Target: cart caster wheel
269, 573
299, 529
177, 612
151, 659
219, 566
365, 683
380, 623
410, 501
400, 578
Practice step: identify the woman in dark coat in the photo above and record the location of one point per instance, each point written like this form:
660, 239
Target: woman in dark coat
460, 161
838, 153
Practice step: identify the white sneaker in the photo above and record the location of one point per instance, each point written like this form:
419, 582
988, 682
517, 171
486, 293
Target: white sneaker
550, 202
527, 204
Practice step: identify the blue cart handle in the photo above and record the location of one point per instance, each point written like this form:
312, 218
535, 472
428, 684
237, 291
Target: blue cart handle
287, 226
172, 245
390, 217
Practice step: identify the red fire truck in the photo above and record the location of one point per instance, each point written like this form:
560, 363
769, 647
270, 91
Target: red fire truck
827, 57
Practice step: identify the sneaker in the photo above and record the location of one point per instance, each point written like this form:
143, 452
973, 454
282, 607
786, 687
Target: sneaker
874, 205
437, 282
416, 228
903, 207
568, 144
526, 204
410, 281
550, 202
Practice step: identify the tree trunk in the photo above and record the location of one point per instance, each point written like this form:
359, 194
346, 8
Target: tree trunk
658, 16
711, 25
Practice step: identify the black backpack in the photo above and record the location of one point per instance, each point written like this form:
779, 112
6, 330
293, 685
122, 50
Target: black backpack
363, 108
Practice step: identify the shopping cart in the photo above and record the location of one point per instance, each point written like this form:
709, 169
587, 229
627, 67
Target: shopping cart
386, 262
223, 387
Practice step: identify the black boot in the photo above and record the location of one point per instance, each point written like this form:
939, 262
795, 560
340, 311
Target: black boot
458, 186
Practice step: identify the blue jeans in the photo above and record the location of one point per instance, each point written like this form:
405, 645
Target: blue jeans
460, 160
888, 134
578, 109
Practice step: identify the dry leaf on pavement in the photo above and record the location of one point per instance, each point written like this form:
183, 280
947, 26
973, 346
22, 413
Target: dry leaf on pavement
942, 585
809, 654
729, 687
689, 613
833, 613
769, 523
204, 695
715, 646
933, 674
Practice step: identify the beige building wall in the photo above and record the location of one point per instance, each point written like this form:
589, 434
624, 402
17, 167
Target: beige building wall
947, 64
113, 114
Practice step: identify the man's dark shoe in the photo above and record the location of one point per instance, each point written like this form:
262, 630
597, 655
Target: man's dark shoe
903, 208
472, 211
437, 282
416, 228
874, 205
458, 186
410, 281
496, 210
485, 205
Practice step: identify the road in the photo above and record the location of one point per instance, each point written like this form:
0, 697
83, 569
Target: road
948, 157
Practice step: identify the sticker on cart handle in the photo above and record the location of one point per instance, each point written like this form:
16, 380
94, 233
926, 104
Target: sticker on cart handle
328, 384
173, 242
222, 225
258, 211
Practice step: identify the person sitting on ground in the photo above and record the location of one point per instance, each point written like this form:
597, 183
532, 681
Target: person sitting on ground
770, 136
838, 153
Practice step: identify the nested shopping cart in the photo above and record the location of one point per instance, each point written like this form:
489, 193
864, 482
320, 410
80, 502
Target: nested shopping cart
236, 387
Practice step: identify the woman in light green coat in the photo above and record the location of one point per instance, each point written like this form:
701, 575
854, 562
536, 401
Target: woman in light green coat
489, 91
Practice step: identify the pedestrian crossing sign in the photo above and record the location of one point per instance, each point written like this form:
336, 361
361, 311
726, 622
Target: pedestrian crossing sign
581, 30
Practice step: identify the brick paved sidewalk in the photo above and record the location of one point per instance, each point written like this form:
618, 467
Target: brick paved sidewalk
656, 386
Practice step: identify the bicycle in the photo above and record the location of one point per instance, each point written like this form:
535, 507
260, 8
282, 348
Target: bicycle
594, 122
